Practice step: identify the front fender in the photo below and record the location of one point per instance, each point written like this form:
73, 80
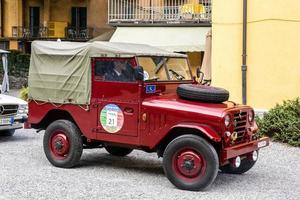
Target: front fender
206, 130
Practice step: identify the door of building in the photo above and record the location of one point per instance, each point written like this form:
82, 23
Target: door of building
79, 20
34, 21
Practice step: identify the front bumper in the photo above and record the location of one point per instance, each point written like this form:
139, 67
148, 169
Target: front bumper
17, 124
243, 149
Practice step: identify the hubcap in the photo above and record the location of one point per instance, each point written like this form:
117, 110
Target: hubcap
59, 144
188, 163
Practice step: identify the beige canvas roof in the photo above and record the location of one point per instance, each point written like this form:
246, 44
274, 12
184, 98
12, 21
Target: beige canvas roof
99, 48
60, 72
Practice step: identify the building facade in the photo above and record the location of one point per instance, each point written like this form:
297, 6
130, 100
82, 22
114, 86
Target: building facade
174, 25
273, 64
23, 21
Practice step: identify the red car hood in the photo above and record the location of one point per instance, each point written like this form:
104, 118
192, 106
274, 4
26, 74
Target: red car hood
173, 102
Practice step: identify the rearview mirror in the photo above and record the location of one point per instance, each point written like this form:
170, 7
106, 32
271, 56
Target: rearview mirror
139, 73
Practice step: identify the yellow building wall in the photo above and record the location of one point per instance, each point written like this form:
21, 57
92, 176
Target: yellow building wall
98, 16
12, 16
273, 50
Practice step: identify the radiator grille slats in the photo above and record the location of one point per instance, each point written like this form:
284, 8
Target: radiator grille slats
240, 121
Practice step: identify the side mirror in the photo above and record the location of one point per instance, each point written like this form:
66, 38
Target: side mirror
198, 72
139, 73
200, 75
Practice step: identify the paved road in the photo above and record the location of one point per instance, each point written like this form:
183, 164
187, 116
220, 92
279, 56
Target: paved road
26, 174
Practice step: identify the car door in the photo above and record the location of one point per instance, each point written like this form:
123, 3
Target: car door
116, 98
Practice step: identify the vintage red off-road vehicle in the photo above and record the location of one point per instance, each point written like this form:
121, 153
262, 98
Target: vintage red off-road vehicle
125, 96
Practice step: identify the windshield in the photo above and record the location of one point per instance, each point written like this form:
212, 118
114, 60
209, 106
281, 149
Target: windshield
165, 69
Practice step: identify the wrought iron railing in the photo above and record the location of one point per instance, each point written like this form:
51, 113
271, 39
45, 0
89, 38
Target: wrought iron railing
159, 11
29, 32
78, 33
71, 33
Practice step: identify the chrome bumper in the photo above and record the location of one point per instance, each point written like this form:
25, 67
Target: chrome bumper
18, 123
242, 149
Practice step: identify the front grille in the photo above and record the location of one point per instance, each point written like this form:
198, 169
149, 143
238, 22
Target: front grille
8, 109
240, 122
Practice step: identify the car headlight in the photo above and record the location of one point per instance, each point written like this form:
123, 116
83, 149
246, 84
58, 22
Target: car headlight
227, 120
23, 109
251, 116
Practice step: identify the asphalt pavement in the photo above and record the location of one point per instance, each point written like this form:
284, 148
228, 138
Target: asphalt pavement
26, 174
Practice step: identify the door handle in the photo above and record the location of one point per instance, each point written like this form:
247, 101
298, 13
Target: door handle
128, 111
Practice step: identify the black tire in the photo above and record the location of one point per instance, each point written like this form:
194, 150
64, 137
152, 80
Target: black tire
203, 93
8, 133
246, 165
118, 151
73, 135
200, 146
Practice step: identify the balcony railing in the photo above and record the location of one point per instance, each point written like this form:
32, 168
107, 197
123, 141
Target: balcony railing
78, 33
41, 32
31, 32
159, 11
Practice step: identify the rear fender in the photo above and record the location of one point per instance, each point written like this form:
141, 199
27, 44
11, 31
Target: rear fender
206, 130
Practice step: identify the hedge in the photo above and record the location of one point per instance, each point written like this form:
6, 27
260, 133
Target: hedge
18, 64
282, 123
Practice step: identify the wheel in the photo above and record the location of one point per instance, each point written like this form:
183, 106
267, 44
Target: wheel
246, 165
7, 133
203, 93
63, 144
190, 163
118, 151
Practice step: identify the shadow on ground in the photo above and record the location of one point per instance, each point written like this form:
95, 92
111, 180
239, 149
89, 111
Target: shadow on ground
137, 164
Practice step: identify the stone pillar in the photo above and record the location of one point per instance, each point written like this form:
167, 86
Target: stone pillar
1, 13
46, 12
12, 16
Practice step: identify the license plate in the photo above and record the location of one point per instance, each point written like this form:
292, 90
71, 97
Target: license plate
7, 121
262, 144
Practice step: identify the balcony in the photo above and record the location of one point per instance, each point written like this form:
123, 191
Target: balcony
78, 33
159, 12
41, 32
29, 33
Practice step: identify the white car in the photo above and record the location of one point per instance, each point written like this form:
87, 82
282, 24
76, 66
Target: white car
13, 113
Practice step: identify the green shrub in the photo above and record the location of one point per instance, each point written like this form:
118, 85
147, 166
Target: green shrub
282, 123
18, 64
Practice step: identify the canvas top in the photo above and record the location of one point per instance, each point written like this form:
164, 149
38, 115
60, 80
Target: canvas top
60, 72
100, 49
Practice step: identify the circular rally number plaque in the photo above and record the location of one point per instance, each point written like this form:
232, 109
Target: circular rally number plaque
111, 118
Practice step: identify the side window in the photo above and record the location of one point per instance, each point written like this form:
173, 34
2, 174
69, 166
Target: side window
120, 70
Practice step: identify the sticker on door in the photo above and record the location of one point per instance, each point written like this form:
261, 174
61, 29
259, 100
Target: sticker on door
111, 118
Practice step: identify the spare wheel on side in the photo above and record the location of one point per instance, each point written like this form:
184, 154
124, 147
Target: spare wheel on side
204, 93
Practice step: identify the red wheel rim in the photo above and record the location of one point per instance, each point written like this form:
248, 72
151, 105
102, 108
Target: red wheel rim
59, 145
188, 164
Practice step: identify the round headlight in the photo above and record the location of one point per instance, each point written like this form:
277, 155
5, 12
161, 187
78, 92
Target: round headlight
23, 109
251, 116
227, 120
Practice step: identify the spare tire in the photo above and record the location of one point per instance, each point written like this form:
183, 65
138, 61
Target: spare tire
202, 93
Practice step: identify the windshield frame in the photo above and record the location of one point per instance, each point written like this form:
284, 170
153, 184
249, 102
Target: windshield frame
166, 69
